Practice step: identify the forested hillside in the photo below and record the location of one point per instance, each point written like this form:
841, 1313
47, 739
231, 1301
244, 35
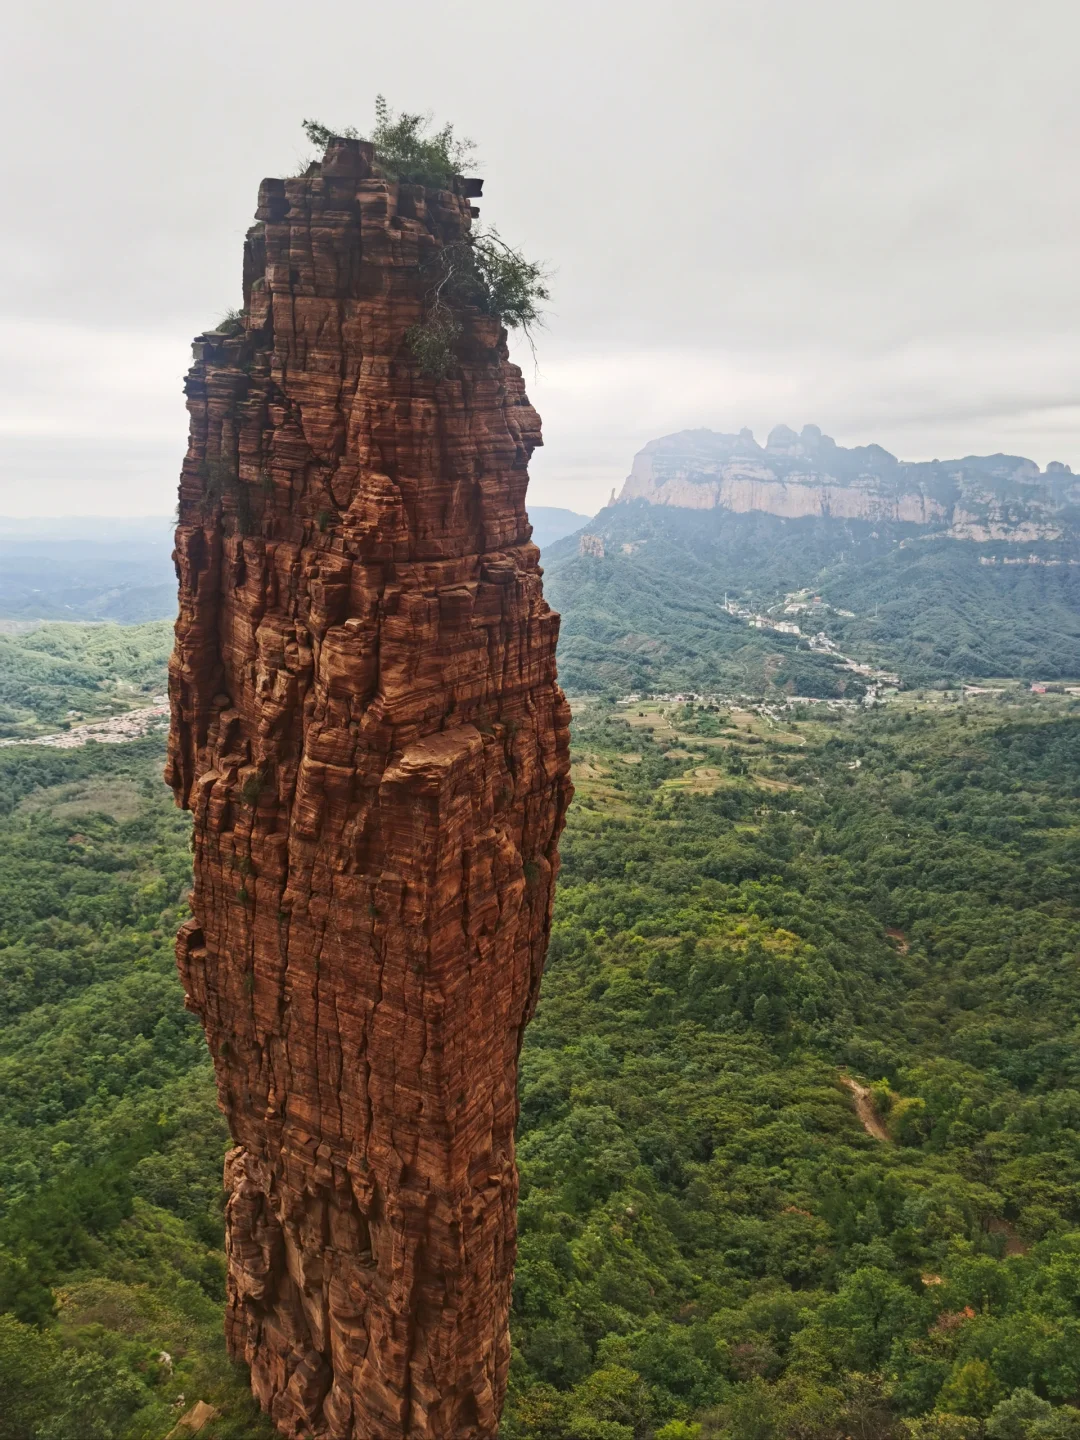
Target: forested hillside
55, 674
111, 1271
749, 924
753, 924
647, 613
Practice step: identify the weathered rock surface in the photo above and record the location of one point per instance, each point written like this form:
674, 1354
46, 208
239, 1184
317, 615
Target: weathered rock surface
367, 728
992, 497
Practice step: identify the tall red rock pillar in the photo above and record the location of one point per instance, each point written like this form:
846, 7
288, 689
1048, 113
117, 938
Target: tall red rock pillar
367, 728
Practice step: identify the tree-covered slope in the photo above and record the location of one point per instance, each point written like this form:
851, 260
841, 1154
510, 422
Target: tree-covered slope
712, 1244
53, 673
648, 612
111, 1273
939, 609
749, 921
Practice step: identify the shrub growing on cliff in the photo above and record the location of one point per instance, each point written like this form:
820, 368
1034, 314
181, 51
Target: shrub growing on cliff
231, 323
407, 151
432, 343
497, 279
320, 135
404, 147
482, 271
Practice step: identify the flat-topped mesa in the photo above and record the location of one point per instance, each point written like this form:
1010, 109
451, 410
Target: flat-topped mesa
367, 728
808, 476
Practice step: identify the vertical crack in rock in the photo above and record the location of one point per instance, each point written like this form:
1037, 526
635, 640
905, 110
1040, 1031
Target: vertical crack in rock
367, 728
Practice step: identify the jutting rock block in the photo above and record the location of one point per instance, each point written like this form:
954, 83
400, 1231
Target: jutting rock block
367, 728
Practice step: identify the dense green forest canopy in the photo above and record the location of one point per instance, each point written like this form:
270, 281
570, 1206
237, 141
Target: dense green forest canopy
110, 1139
751, 921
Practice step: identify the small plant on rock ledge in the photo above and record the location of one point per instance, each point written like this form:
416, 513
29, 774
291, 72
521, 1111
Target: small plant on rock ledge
252, 789
481, 270
432, 343
231, 323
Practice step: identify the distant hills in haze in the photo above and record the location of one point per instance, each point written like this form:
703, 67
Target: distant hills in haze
942, 570
87, 567
120, 569
550, 524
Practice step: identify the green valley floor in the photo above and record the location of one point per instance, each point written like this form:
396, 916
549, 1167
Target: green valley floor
800, 1106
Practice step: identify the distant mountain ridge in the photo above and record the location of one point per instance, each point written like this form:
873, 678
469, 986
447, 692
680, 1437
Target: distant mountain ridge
796, 475
552, 522
938, 570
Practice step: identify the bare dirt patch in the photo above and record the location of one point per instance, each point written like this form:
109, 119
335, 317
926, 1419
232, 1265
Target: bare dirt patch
1014, 1244
864, 1108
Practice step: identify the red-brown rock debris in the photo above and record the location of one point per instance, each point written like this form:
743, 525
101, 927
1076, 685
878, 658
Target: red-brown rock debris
367, 728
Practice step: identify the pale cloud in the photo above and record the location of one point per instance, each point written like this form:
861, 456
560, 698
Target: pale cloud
860, 215
603, 407
96, 419
68, 381
92, 421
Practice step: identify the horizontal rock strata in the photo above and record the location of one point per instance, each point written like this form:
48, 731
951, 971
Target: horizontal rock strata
367, 728
807, 475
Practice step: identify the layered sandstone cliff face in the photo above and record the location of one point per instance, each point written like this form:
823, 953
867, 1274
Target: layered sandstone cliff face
368, 731
994, 497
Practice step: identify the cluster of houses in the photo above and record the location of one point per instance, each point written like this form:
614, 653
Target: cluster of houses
803, 602
116, 730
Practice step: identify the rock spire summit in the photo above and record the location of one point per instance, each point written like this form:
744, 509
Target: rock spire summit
367, 728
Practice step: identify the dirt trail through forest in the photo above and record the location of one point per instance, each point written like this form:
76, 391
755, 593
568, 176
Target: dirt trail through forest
864, 1108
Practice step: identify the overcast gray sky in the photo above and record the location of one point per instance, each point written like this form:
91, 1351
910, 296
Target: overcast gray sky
862, 213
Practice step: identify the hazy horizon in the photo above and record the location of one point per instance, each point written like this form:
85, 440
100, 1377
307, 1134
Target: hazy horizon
18, 520
862, 218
